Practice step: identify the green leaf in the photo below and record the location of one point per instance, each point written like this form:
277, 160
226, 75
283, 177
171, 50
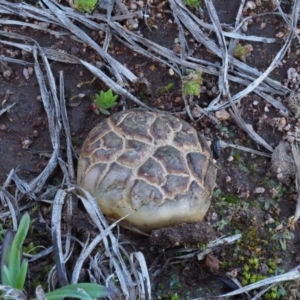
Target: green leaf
85, 5
192, 83
192, 3
86, 291
15, 256
105, 101
6, 279
22, 275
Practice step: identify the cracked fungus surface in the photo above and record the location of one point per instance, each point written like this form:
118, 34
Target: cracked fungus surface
152, 166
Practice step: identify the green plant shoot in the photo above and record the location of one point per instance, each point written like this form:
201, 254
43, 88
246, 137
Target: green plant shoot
86, 291
241, 52
85, 5
192, 3
105, 101
13, 267
192, 83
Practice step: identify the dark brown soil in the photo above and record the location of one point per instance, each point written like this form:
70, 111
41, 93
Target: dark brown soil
235, 199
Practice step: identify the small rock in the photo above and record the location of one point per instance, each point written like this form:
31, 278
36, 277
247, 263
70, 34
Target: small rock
234, 273
259, 190
290, 139
280, 177
264, 269
26, 143
280, 34
35, 133
251, 5
25, 73
214, 216
30, 71
281, 124
228, 179
270, 221
263, 25
230, 158
291, 72
222, 115
178, 99
171, 72
287, 127
279, 260
255, 102
7, 74
212, 263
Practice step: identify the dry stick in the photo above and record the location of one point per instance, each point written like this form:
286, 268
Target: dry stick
240, 65
125, 11
4, 110
66, 128
291, 275
283, 15
117, 67
223, 81
53, 116
248, 128
113, 85
56, 237
296, 157
49, 52
242, 148
233, 42
56, 55
199, 36
225, 86
112, 246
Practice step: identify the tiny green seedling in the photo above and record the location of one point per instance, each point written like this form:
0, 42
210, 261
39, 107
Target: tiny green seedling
282, 236
13, 266
105, 101
241, 52
85, 5
192, 83
192, 3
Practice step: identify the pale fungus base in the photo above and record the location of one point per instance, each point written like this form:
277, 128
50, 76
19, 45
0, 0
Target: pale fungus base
152, 166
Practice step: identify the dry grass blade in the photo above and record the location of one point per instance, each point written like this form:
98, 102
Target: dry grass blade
7, 108
291, 275
223, 81
7, 292
53, 119
217, 244
248, 128
296, 158
50, 53
113, 85
66, 128
7, 198
117, 67
142, 276
56, 237
113, 251
41, 254
34, 26
242, 148
14, 60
